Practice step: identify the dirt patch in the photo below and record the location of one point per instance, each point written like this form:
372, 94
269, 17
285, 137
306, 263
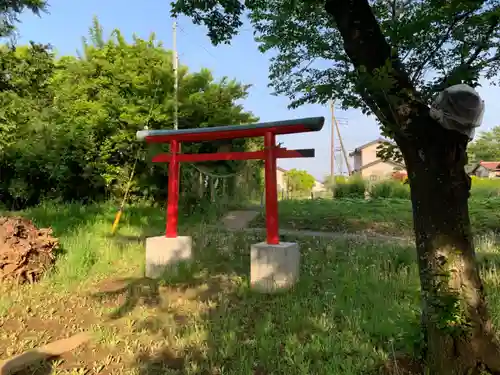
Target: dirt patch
238, 219
45, 318
42, 354
378, 227
26, 252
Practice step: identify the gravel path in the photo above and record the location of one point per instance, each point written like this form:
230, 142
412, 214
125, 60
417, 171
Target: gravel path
239, 220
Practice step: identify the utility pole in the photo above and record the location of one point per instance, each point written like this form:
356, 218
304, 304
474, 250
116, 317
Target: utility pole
175, 63
343, 148
340, 161
332, 148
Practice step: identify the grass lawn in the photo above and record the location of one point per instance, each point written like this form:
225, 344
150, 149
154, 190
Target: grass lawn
356, 305
384, 216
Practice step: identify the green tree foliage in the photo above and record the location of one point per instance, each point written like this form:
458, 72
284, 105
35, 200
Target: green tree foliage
389, 59
305, 38
486, 147
11, 9
67, 126
299, 181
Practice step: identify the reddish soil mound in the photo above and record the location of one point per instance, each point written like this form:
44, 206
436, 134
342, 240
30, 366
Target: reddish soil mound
26, 252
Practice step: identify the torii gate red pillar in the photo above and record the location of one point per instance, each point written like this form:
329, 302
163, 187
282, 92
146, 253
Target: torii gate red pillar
173, 191
272, 223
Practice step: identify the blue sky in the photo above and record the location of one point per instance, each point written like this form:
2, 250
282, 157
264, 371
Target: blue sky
68, 21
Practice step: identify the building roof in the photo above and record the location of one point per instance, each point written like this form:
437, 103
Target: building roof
489, 165
378, 140
396, 164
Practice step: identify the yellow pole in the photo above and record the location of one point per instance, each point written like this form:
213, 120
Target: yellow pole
120, 210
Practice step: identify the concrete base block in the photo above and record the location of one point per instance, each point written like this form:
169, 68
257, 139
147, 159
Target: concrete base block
274, 267
163, 253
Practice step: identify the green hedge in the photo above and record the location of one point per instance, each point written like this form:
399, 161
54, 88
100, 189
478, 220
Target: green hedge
481, 188
353, 187
390, 189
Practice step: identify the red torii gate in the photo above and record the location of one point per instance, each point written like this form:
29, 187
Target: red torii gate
271, 152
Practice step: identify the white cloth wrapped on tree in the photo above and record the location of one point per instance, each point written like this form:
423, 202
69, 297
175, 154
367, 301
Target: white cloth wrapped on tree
459, 108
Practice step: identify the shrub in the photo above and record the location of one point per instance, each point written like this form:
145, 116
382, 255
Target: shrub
390, 189
353, 187
399, 176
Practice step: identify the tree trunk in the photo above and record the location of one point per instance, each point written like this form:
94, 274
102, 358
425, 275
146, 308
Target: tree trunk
455, 320
458, 332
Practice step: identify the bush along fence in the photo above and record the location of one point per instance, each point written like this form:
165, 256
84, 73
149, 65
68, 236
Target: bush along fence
356, 187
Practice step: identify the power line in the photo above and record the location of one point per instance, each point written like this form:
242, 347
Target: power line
199, 44
259, 90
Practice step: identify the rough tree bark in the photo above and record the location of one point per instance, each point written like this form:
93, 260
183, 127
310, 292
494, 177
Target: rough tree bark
457, 329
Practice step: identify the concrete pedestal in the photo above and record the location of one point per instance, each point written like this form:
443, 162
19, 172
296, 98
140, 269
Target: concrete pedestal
274, 267
163, 252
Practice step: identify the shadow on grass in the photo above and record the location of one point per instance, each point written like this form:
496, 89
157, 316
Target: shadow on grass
43, 367
355, 306
145, 291
137, 291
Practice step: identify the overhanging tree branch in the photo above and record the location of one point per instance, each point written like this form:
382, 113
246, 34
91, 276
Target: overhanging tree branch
394, 10
443, 40
461, 70
370, 53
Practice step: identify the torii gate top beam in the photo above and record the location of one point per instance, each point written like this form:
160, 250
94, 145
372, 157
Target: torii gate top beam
303, 125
